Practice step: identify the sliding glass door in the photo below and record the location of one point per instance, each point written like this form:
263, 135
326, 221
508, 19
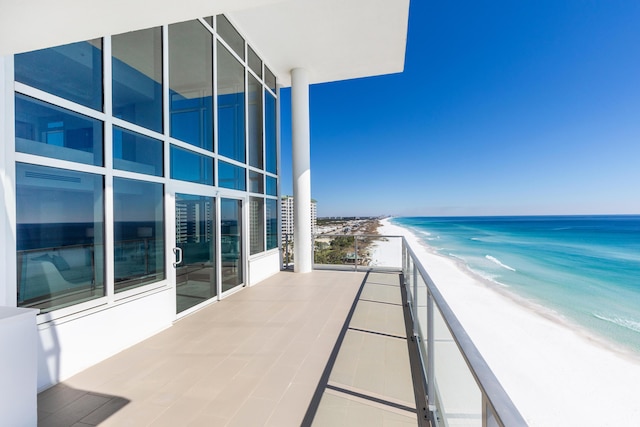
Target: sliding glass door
231, 247
195, 250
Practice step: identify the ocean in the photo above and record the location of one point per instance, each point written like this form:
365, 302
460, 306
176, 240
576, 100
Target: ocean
585, 269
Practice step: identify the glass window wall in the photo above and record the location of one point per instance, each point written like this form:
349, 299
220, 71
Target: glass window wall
270, 79
46, 130
61, 212
231, 176
138, 211
60, 237
270, 133
231, 129
191, 83
272, 186
137, 77
256, 152
136, 153
272, 223
256, 182
72, 71
230, 35
255, 63
192, 167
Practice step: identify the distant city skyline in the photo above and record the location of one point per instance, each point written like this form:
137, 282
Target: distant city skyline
504, 108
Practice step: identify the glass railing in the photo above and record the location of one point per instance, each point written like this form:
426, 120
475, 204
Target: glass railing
460, 389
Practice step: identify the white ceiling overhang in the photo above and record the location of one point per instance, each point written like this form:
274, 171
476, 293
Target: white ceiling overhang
332, 39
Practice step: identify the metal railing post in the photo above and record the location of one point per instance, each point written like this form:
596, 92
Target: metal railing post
415, 293
404, 261
355, 247
431, 386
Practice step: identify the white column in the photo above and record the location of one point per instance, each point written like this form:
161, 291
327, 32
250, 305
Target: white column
300, 138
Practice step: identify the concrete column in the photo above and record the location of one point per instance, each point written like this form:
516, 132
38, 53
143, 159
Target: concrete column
300, 137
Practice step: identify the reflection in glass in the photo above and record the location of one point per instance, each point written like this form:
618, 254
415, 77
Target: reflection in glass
272, 223
191, 83
195, 236
256, 225
255, 123
256, 182
270, 79
231, 243
272, 186
60, 237
138, 212
230, 106
255, 63
192, 167
47, 130
136, 153
270, 123
137, 77
72, 71
230, 35
231, 176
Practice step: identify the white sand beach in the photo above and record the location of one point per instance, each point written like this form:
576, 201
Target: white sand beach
555, 373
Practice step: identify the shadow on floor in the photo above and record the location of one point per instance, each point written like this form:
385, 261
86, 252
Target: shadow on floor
64, 406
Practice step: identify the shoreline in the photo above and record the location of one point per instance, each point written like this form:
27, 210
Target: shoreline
556, 373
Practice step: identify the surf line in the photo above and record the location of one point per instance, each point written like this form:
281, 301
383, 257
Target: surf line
497, 261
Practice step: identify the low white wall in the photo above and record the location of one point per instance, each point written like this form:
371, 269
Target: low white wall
67, 347
263, 266
18, 339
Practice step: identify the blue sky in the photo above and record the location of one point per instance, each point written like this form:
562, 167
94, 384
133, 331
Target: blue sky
504, 108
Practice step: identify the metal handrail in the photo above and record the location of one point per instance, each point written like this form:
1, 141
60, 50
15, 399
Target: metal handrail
498, 408
505, 412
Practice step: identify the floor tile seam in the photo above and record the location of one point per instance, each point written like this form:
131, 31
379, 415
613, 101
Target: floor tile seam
381, 406
377, 333
373, 394
387, 302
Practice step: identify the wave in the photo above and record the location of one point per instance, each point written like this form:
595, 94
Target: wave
488, 277
625, 323
497, 261
457, 257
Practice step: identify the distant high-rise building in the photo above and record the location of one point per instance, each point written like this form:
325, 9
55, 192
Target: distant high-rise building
286, 213
193, 221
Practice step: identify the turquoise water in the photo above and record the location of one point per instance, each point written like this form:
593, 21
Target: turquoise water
585, 268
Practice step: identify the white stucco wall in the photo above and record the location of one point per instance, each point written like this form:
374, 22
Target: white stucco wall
263, 266
66, 347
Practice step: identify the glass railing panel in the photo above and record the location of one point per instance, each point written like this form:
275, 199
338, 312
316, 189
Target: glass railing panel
337, 250
459, 398
382, 251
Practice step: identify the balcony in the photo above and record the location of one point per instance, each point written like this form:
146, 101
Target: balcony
359, 347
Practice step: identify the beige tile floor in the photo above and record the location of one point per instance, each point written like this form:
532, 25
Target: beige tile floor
266, 356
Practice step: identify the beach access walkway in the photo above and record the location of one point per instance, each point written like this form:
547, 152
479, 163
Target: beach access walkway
325, 348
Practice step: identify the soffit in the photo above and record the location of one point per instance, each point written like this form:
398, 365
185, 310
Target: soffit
35, 24
332, 39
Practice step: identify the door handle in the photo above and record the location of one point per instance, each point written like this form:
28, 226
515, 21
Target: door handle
178, 253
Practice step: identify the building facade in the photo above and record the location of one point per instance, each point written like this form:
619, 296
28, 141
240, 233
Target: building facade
287, 210
139, 160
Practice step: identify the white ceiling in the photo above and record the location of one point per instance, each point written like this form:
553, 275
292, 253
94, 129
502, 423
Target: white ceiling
332, 39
